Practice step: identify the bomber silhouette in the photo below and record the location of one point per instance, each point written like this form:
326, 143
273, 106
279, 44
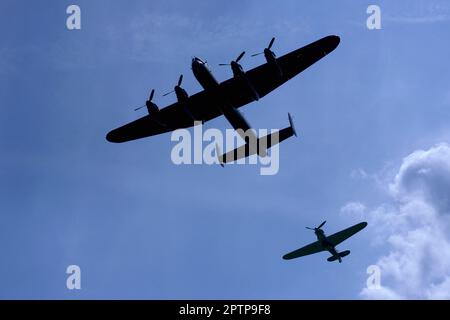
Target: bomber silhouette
226, 97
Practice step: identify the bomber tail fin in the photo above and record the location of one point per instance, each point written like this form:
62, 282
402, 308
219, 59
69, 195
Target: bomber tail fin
291, 123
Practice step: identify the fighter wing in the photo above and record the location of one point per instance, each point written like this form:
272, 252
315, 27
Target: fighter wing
343, 235
311, 248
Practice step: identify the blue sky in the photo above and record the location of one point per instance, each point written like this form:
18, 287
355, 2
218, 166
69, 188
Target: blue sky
142, 228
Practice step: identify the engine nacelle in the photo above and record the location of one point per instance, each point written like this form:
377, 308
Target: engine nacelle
151, 107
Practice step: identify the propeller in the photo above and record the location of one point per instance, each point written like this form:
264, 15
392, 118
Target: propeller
149, 99
237, 59
180, 80
320, 226
268, 48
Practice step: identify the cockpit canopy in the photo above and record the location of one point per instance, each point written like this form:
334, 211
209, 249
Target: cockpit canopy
196, 59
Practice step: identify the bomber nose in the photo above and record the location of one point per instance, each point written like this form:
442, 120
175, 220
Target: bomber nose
197, 60
194, 62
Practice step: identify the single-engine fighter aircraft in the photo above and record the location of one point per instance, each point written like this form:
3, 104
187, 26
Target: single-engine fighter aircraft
225, 98
327, 243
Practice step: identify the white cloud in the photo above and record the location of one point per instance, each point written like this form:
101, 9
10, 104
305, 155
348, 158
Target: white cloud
414, 226
419, 19
380, 294
359, 174
421, 13
354, 210
439, 291
425, 175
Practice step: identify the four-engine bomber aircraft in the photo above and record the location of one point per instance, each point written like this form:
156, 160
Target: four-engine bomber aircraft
327, 243
225, 98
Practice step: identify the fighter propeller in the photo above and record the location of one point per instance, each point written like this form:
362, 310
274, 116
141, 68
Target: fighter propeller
318, 228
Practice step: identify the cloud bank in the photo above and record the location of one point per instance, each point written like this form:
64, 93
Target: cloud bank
414, 226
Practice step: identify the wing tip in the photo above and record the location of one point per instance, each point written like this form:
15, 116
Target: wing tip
110, 137
335, 40
113, 137
330, 43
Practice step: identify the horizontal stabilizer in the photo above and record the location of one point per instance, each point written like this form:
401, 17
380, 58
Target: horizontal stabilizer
339, 256
332, 258
260, 146
344, 253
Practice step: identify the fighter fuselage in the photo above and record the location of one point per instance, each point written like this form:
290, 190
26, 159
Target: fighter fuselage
322, 238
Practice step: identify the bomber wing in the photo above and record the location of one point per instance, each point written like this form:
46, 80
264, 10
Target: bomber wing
204, 105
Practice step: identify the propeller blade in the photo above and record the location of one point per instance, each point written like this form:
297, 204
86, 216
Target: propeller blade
271, 43
256, 54
321, 225
240, 56
309, 228
224, 64
151, 95
180, 80
168, 93
139, 108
